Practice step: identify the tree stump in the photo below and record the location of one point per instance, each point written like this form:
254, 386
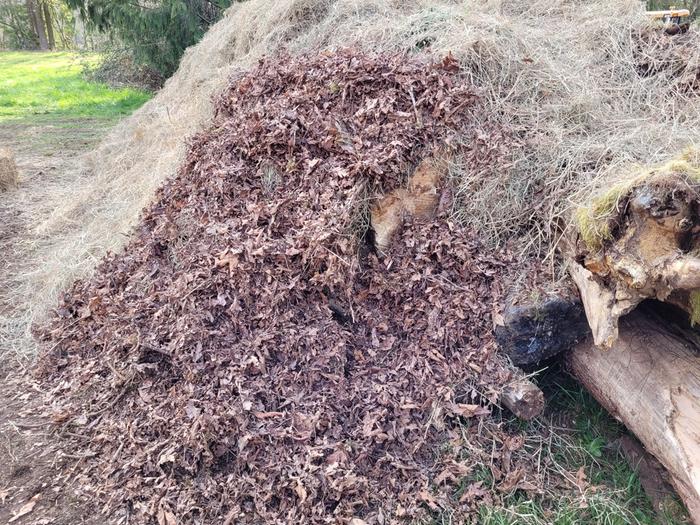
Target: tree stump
640, 240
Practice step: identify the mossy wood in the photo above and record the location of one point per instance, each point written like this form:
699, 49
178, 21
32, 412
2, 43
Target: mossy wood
650, 380
640, 240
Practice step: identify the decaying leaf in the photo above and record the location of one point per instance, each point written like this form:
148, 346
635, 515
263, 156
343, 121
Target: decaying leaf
251, 355
25, 509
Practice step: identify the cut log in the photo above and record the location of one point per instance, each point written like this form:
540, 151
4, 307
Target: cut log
523, 398
639, 240
535, 330
419, 200
650, 381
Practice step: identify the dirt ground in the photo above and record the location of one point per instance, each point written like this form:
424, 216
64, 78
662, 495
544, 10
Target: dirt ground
34, 472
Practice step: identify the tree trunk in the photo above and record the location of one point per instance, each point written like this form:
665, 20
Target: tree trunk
48, 21
79, 26
37, 20
31, 15
650, 381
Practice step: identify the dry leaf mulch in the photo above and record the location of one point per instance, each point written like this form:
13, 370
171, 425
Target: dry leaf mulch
250, 358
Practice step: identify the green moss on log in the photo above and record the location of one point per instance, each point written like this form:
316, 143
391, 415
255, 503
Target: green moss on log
594, 220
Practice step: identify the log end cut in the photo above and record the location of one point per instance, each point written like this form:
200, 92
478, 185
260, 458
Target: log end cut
534, 331
524, 399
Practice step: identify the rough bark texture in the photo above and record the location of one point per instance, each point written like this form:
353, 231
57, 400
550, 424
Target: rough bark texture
537, 330
37, 16
654, 480
49, 25
650, 380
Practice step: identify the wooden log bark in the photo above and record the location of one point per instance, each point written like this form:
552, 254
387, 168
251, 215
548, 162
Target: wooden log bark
650, 381
654, 480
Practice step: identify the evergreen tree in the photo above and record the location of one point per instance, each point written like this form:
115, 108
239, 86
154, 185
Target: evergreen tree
156, 31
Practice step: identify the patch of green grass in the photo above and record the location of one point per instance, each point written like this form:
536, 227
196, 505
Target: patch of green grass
583, 438
45, 86
591, 482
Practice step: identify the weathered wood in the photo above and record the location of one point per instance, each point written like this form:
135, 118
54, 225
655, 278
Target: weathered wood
523, 398
640, 240
533, 331
419, 200
650, 381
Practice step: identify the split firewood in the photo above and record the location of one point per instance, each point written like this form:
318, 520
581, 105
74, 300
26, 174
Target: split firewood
640, 240
650, 380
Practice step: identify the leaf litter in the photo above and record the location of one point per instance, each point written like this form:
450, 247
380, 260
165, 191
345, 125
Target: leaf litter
251, 357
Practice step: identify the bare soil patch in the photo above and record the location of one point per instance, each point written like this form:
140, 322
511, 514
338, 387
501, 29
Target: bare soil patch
35, 473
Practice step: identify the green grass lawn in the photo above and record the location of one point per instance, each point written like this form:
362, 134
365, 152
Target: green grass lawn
37, 86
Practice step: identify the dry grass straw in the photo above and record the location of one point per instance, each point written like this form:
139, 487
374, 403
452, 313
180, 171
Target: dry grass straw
561, 73
9, 175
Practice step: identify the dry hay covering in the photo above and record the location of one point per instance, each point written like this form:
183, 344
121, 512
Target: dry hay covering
576, 95
8, 170
675, 59
250, 357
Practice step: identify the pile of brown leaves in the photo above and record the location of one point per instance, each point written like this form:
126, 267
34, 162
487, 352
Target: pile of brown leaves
249, 358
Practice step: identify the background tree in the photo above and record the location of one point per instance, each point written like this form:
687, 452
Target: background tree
156, 31
36, 24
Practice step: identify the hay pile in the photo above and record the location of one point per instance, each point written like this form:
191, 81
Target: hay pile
250, 358
575, 94
8, 170
674, 59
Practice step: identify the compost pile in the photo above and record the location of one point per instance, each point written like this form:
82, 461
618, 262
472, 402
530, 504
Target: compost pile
250, 357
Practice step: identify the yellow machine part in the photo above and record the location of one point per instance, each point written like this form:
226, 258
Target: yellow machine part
670, 13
